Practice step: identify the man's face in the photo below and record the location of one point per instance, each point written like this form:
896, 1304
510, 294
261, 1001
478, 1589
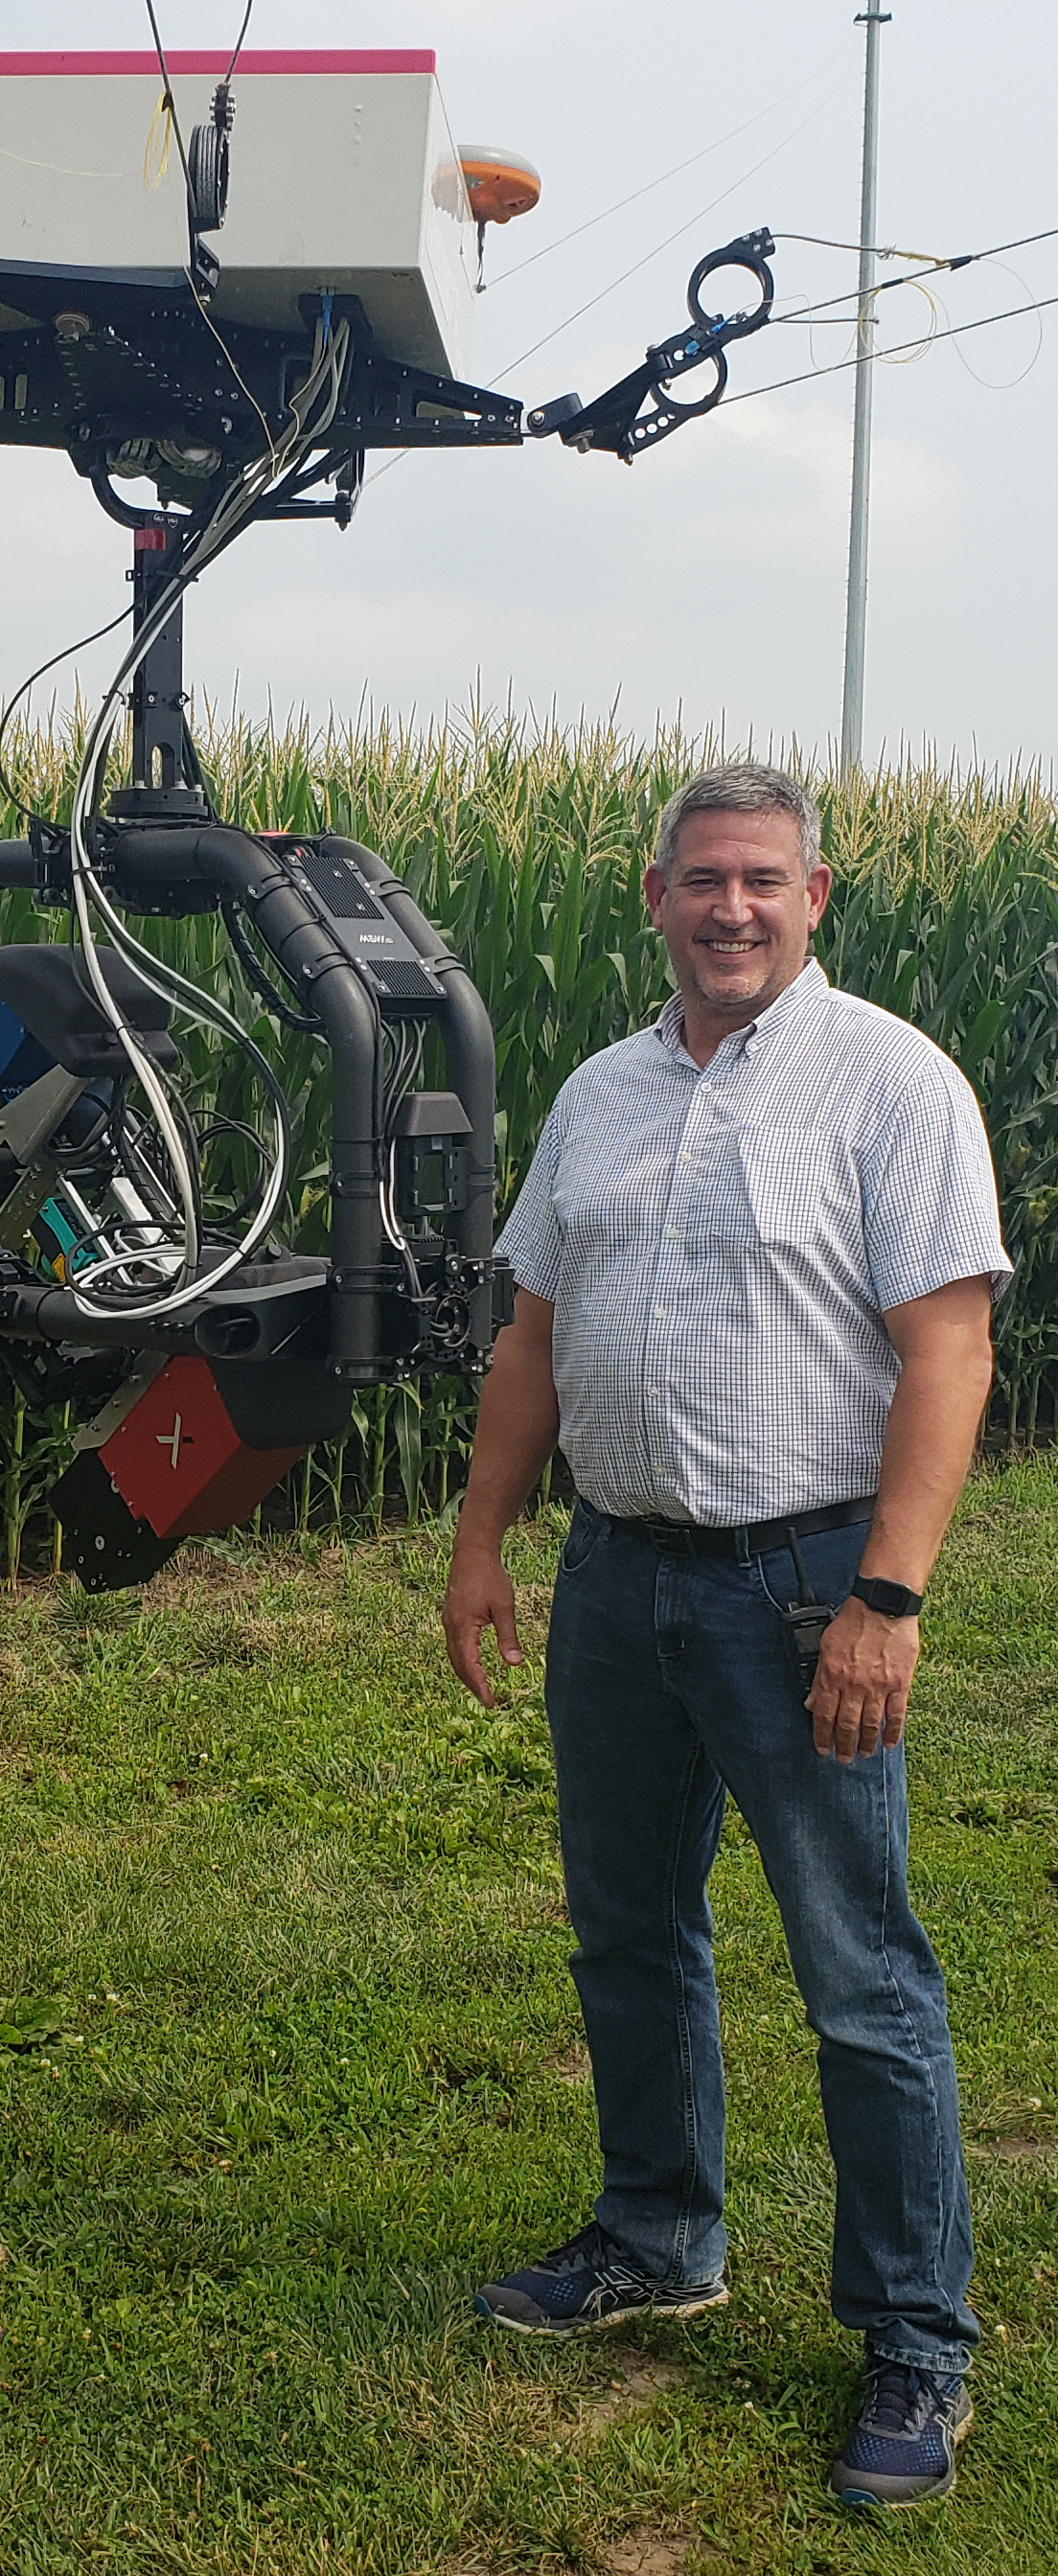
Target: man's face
737, 913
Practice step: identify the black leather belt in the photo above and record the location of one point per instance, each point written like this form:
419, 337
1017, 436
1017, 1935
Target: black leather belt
752, 1538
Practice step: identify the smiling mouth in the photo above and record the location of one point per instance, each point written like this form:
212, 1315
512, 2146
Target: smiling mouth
731, 947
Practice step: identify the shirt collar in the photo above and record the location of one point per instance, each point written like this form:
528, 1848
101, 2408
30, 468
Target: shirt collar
803, 994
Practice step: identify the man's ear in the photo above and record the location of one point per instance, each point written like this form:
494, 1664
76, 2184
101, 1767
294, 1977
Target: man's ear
817, 887
654, 890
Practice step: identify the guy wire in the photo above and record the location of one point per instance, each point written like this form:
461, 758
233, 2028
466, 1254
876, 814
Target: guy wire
29, 811
871, 357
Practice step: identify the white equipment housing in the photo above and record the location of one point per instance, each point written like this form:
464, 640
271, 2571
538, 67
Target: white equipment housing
344, 180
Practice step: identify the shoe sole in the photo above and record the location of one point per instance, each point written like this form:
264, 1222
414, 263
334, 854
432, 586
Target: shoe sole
857, 2499
594, 2325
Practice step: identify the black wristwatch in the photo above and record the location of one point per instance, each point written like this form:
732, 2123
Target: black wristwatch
894, 1600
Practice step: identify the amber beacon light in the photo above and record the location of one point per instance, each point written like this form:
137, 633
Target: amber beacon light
499, 184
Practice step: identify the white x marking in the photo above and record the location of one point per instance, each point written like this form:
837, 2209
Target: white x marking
171, 1439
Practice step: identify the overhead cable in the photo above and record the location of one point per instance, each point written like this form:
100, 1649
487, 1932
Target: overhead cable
871, 357
655, 253
662, 180
1039, 304
878, 252
961, 259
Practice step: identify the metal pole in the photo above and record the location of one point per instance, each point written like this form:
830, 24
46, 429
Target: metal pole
856, 606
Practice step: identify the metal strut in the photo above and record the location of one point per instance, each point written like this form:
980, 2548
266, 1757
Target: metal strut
617, 420
167, 781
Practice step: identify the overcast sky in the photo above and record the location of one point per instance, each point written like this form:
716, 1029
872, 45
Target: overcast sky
709, 578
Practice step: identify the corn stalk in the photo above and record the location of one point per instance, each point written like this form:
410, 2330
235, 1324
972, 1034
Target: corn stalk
526, 847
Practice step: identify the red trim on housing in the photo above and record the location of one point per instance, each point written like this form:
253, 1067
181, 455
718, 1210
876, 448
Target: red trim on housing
70, 65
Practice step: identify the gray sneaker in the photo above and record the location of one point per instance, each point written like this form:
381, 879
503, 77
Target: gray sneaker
589, 2282
903, 2444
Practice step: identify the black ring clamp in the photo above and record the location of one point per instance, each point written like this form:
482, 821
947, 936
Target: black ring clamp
617, 420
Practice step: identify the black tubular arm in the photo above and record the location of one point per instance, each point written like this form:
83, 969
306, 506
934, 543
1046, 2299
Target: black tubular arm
239, 866
18, 867
42, 1313
470, 1058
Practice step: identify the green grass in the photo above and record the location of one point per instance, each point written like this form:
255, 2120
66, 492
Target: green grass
302, 1902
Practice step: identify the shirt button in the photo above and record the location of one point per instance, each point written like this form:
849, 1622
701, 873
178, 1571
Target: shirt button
659, 1312
654, 1390
672, 1234
686, 1158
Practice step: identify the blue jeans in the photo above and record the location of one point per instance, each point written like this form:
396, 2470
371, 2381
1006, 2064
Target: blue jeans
667, 1686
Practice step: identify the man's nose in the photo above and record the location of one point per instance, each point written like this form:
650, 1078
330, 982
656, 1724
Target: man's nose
731, 903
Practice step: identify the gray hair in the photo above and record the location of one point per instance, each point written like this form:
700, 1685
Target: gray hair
739, 787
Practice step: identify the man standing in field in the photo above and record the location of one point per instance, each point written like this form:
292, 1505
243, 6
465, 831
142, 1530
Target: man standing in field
755, 1256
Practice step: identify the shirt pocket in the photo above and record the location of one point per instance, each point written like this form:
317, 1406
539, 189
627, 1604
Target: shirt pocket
789, 1179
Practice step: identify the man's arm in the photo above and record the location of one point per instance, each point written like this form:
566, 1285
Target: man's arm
860, 1693
516, 1433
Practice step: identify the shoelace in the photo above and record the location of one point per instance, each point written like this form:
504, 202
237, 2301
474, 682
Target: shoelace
593, 2250
581, 2252
897, 2397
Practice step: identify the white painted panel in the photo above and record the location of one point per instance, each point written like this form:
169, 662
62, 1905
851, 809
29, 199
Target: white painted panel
340, 181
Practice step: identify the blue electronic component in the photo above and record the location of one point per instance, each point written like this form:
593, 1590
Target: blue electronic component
22, 1058
11, 1036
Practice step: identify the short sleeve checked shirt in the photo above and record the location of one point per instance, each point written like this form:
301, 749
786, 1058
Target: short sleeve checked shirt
720, 1247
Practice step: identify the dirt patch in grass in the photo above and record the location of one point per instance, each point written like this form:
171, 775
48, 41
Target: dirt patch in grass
1011, 2150
572, 2065
645, 2552
636, 2379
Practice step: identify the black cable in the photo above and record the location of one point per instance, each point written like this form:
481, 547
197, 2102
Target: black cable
913, 277
259, 979
223, 1126
637, 264
138, 1165
676, 172
821, 241
870, 357
81, 646
170, 102
137, 1168
238, 45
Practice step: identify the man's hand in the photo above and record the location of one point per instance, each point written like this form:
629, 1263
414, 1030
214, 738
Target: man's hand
480, 1595
517, 1431
859, 1696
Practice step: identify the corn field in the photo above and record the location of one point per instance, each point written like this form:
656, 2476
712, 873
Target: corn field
526, 847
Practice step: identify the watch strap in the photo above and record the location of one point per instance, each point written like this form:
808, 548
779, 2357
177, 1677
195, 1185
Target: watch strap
893, 1600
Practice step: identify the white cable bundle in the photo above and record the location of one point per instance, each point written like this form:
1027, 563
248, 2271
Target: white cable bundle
235, 506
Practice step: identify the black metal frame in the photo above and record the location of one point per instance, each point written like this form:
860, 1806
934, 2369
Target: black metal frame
116, 361
128, 374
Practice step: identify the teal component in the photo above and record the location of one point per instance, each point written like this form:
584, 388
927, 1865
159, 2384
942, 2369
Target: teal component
66, 1237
